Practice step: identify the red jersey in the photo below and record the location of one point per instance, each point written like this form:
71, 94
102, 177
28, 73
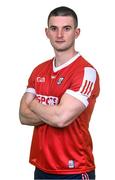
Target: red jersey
65, 150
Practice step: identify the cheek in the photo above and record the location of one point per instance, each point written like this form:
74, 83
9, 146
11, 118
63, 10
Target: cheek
51, 37
71, 37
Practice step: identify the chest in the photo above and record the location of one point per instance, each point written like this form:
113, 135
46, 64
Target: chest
51, 83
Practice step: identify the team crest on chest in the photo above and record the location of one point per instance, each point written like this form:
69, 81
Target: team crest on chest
60, 80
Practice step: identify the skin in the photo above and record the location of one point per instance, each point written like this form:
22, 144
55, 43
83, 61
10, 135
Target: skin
62, 33
26, 115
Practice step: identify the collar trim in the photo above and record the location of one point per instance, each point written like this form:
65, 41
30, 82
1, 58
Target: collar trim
55, 69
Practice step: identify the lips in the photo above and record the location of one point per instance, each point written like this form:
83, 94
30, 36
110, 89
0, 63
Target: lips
59, 41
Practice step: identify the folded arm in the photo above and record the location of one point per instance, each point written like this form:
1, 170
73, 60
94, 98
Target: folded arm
26, 115
60, 115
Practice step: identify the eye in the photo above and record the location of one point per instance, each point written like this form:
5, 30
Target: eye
67, 28
53, 28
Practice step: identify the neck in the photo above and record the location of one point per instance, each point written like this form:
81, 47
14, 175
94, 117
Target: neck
63, 57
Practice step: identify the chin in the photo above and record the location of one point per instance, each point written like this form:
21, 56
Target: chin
61, 49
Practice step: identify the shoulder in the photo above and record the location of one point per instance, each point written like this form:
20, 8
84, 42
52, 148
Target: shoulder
42, 66
82, 62
84, 72
84, 65
88, 73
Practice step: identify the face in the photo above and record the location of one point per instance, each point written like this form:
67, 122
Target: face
62, 32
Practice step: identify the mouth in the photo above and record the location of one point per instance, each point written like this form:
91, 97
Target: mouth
59, 41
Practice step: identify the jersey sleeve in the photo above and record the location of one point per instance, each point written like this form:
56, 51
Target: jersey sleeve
31, 83
83, 84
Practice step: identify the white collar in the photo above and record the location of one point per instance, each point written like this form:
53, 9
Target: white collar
55, 69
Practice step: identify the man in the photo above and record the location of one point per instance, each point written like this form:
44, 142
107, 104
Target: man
59, 101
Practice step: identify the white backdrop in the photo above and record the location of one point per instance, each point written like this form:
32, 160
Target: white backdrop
23, 45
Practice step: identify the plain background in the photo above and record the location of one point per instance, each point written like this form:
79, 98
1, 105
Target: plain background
23, 45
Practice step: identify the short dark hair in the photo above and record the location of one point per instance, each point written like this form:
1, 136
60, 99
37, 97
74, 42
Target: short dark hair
64, 11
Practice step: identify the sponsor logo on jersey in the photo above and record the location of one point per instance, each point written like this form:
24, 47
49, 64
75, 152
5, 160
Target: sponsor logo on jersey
59, 81
41, 79
47, 100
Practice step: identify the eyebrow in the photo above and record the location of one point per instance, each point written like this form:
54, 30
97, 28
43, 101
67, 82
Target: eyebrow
62, 27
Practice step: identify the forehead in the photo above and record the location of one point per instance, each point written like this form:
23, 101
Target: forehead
61, 21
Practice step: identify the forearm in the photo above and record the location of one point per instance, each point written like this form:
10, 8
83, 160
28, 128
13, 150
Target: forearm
52, 115
60, 115
27, 117
46, 113
30, 121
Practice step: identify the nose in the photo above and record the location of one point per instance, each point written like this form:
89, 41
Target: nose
60, 33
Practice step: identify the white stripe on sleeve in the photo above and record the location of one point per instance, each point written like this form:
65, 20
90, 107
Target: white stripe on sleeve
31, 90
87, 86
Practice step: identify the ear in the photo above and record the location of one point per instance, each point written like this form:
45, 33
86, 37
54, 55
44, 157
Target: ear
46, 31
77, 32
